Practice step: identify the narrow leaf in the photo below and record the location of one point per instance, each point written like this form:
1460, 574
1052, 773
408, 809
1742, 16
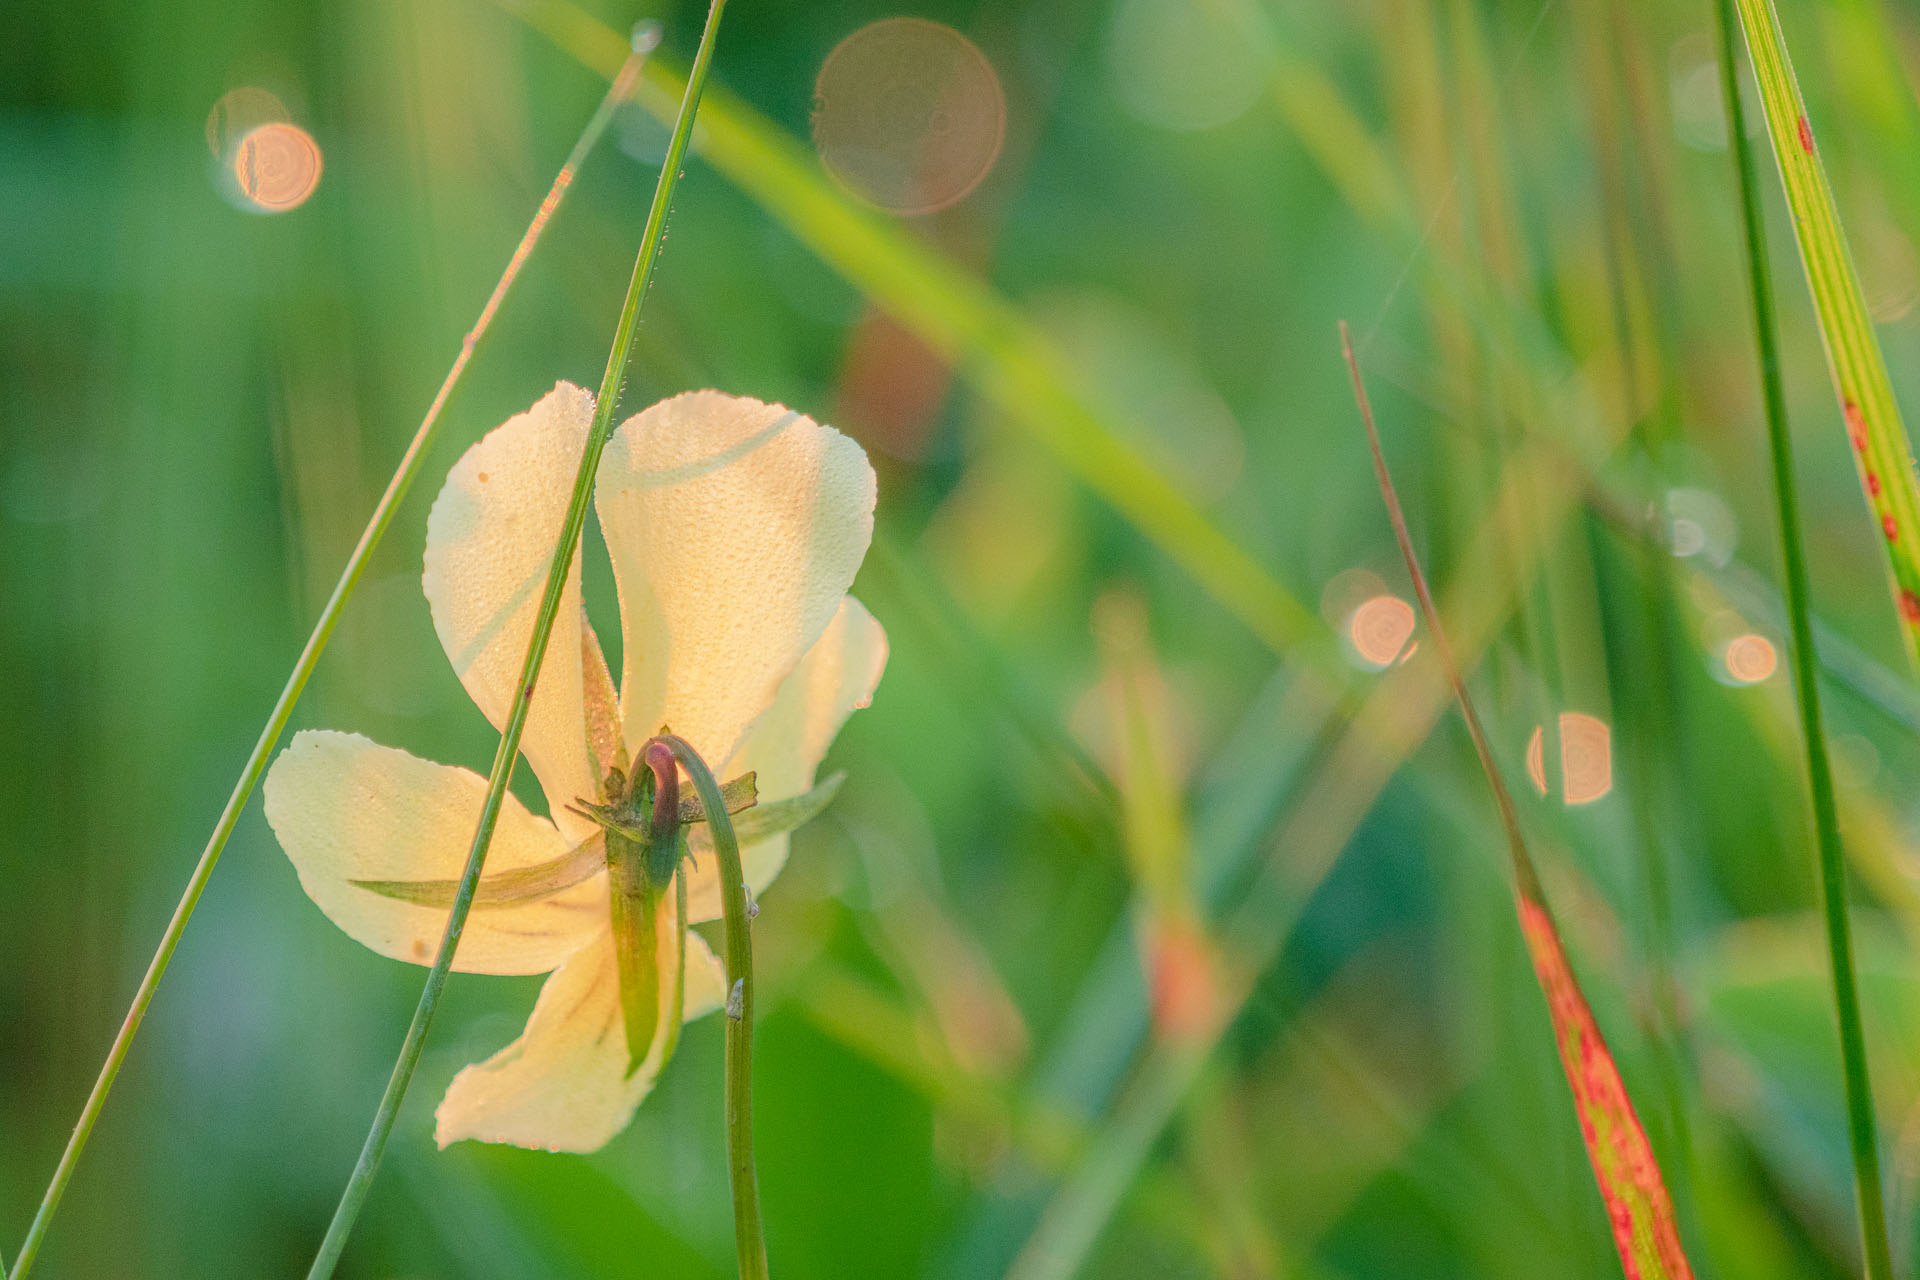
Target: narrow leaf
1861, 1123
514, 888
1881, 451
772, 818
777, 817
1624, 1166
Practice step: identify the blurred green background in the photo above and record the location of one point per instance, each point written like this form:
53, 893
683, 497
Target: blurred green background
1125, 521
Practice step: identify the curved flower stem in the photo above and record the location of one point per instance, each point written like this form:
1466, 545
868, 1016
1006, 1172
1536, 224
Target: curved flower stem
256, 763
1806, 681
749, 1240
361, 1180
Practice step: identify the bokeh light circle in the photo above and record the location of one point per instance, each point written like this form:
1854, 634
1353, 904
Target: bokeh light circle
1750, 659
1586, 758
1379, 630
276, 167
908, 114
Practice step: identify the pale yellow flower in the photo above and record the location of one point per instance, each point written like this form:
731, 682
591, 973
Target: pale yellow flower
734, 528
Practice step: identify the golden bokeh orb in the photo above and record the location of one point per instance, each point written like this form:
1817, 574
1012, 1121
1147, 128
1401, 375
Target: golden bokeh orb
1586, 758
1750, 658
1379, 630
276, 167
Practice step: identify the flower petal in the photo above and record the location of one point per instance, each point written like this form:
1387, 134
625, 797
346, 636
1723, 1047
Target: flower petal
490, 540
346, 808
785, 747
735, 528
563, 1085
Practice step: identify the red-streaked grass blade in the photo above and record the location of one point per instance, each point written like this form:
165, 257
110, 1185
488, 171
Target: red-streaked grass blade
1638, 1206
1862, 1125
1879, 439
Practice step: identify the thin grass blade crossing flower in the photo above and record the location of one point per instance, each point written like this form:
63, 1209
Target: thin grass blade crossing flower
255, 767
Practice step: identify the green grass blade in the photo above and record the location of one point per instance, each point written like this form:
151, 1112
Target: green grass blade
1874, 429
303, 667
1005, 357
1638, 1205
1806, 682
360, 1182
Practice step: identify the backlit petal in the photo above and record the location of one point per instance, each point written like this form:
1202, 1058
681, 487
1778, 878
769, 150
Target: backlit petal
563, 1085
735, 528
490, 539
346, 808
786, 744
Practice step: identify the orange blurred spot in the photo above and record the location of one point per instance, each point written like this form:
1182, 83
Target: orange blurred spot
1750, 658
1380, 628
276, 167
1586, 758
908, 114
1183, 980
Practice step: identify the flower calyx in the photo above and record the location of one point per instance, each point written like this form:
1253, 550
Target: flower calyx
644, 817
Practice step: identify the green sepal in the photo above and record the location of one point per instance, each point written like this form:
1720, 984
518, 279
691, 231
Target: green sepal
635, 906
516, 888
740, 794
777, 817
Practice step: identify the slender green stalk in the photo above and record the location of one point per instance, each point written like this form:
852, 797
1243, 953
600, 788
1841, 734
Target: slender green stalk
1879, 439
256, 763
360, 1183
749, 1241
1806, 682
